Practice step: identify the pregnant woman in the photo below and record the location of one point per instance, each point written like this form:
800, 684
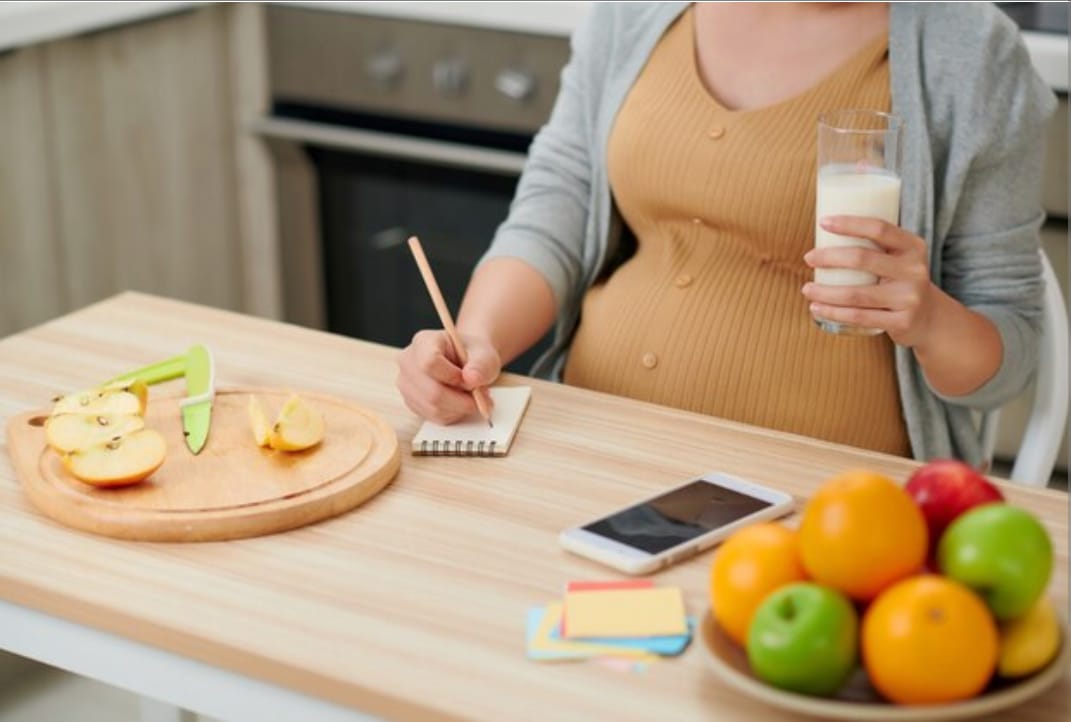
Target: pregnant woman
664, 225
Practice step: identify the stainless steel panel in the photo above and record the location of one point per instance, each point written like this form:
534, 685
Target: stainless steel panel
436, 152
389, 66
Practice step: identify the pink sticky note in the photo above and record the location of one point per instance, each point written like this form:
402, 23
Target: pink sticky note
602, 585
591, 586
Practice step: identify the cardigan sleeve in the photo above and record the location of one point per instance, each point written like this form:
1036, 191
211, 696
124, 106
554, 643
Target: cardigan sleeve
550, 211
990, 255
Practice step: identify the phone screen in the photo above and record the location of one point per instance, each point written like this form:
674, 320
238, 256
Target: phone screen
677, 516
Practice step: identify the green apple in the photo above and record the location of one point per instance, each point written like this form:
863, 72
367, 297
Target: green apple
1001, 552
804, 638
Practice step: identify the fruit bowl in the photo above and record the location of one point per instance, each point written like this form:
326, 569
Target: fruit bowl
858, 700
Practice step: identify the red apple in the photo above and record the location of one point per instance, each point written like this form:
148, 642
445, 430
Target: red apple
946, 488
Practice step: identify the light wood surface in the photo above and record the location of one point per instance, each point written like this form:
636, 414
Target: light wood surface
232, 489
413, 606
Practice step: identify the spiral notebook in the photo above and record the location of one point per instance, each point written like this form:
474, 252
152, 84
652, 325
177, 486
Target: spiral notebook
472, 436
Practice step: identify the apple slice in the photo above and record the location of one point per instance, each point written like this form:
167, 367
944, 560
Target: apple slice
258, 422
71, 432
119, 462
297, 427
122, 398
137, 387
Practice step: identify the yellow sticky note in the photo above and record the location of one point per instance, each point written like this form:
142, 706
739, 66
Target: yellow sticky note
625, 613
541, 646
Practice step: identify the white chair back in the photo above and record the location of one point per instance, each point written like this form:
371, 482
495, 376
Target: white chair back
1048, 416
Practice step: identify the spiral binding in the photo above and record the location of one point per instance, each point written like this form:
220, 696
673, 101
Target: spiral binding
457, 448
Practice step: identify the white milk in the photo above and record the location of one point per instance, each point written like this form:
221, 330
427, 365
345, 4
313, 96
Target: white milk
844, 191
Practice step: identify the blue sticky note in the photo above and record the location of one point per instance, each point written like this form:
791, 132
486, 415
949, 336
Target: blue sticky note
668, 646
532, 624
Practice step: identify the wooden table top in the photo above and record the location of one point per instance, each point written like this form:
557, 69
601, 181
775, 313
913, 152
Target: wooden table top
413, 605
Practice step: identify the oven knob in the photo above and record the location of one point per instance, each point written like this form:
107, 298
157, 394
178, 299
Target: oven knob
450, 76
515, 84
385, 67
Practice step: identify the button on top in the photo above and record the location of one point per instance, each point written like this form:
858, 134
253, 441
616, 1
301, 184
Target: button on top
649, 360
716, 132
697, 221
683, 280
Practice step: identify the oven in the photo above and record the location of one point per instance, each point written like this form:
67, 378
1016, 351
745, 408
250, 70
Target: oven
381, 128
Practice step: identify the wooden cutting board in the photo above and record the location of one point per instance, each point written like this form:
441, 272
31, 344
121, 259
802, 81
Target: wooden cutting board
232, 489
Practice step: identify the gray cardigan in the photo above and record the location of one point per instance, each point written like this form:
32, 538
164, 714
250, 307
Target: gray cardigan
974, 112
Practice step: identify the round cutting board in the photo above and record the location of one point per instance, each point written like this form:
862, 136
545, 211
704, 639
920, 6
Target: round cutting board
233, 488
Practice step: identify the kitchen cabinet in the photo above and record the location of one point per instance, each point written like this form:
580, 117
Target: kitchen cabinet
32, 287
126, 166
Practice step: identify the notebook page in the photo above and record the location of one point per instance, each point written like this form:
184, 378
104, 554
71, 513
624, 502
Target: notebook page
471, 436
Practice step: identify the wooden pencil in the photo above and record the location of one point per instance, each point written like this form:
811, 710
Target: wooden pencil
446, 319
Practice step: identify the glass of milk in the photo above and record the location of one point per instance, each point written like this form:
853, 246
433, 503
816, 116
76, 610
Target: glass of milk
858, 175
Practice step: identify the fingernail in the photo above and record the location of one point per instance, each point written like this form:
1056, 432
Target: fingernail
806, 287
814, 307
827, 222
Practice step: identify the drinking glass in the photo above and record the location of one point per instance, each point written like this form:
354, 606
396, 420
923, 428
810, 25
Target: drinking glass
858, 175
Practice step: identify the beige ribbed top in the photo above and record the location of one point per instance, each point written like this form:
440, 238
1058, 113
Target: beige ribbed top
708, 314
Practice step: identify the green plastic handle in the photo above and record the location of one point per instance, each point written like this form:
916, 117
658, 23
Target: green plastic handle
156, 373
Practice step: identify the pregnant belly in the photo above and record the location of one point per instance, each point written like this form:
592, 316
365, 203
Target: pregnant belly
732, 337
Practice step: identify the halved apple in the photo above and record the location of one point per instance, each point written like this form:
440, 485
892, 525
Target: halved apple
70, 432
118, 462
258, 422
129, 397
297, 427
137, 387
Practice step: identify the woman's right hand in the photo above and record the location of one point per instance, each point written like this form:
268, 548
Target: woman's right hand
435, 386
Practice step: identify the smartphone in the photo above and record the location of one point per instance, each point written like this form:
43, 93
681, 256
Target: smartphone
675, 524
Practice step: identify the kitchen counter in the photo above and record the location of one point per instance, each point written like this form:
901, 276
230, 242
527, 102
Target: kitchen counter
410, 607
23, 23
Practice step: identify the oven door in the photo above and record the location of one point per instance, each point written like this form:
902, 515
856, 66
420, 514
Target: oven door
382, 127
351, 196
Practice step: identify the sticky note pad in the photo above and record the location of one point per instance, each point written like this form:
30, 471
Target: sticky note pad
601, 585
625, 613
541, 646
668, 646
538, 642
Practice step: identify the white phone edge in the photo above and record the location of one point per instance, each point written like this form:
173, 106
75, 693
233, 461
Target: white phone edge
636, 561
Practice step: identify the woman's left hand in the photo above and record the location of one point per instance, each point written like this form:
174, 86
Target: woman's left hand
899, 303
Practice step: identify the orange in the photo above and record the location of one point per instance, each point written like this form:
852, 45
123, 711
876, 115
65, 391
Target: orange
860, 533
750, 564
929, 640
